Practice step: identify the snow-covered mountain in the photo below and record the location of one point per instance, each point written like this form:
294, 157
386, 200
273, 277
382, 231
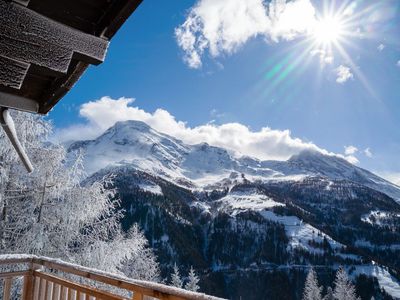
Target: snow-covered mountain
243, 222
207, 167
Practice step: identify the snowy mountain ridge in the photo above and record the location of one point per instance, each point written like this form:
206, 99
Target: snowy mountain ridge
208, 167
240, 217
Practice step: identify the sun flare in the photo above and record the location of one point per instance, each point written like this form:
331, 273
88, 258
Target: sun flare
328, 30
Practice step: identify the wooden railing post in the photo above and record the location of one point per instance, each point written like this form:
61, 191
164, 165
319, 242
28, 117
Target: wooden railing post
137, 296
27, 292
7, 289
28, 287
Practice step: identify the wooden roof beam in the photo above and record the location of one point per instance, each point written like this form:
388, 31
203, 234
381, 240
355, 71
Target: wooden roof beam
31, 38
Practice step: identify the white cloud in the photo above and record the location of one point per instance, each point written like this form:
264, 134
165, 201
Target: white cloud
351, 159
350, 150
265, 143
381, 47
343, 74
349, 154
328, 59
393, 177
398, 63
368, 152
325, 57
223, 26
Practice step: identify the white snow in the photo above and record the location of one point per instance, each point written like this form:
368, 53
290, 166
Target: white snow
301, 233
298, 232
242, 201
386, 281
379, 218
203, 206
207, 167
155, 189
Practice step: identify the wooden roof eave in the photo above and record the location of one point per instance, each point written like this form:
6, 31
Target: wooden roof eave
45, 48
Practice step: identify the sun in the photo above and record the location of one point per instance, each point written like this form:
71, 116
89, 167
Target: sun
328, 30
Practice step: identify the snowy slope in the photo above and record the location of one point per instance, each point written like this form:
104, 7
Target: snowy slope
298, 232
208, 167
239, 207
386, 281
335, 167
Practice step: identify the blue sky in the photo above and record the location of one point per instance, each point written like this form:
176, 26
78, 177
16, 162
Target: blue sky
331, 88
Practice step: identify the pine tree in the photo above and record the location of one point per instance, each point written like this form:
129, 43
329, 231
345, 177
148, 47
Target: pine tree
193, 280
311, 290
176, 278
344, 289
329, 294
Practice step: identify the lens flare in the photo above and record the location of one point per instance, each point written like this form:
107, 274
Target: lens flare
328, 30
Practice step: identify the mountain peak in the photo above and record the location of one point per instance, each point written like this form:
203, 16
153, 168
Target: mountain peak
309, 154
136, 144
132, 124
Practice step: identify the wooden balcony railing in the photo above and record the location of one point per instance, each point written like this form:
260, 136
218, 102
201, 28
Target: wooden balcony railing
28, 277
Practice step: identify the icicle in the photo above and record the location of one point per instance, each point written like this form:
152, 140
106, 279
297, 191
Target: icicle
8, 125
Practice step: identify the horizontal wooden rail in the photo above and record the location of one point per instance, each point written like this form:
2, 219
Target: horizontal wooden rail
46, 285
13, 274
43, 280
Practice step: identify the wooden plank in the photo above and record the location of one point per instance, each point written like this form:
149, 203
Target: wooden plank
68, 297
108, 280
56, 292
15, 261
13, 274
89, 292
7, 288
76, 287
44, 42
82, 14
28, 287
22, 2
61, 86
12, 72
36, 288
42, 288
46, 290
50, 290
20, 103
137, 296
64, 292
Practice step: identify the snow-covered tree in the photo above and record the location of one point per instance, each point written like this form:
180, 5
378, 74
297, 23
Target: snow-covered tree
140, 263
51, 212
193, 280
176, 279
329, 294
311, 290
344, 289
31, 130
